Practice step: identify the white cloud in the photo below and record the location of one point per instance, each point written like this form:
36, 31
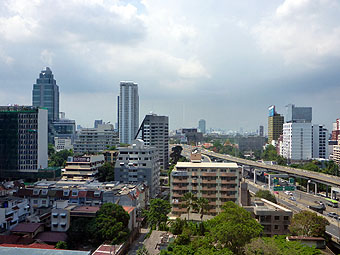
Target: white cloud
303, 32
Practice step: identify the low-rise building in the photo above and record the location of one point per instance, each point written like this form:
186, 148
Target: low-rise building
60, 216
62, 144
217, 182
12, 211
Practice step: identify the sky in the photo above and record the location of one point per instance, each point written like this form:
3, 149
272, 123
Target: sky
222, 61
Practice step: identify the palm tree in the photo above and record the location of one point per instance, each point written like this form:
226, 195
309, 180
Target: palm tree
202, 206
189, 202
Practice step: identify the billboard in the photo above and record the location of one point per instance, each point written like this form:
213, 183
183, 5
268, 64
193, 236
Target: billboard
271, 110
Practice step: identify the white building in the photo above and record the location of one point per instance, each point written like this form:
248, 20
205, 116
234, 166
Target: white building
62, 144
12, 211
60, 216
297, 141
96, 139
138, 163
154, 131
320, 142
128, 111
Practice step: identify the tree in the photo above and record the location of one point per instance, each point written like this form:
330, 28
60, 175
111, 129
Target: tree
269, 153
158, 212
266, 195
51, 149
202, 206
80, 229
190, 202
278, 245
59, 158
177, 226
111, 224
61, 245
106, 172
306, 223
233, 228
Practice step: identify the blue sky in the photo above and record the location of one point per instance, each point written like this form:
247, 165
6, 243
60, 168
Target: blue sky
223, 61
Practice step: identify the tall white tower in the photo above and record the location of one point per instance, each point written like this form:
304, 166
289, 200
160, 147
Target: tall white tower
128, 111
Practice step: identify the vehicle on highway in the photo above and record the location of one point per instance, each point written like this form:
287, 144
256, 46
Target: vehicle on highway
289, 193
333, 215
317, 208
331, 202
292, 198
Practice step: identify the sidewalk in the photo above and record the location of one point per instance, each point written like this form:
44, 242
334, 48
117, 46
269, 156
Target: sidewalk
138, 243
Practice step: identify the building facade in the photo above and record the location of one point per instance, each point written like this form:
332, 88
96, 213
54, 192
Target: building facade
23, 139
128, 111
138, 163
65, 128
62, 144
320, 142
91, 140
217, 182
154, 131
202, 126
275, 125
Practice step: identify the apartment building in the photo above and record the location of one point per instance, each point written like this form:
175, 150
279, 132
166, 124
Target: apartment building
217, 182
12, 211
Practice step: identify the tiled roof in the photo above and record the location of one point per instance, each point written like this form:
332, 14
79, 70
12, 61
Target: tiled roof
33, 245
26, 227
128, 209
51, 237
15, 239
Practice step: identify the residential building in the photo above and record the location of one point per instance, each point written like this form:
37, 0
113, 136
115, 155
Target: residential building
60, 216
217, 182
138, 163
336, 154
154, 131
274, 218
23, 140
275, 124
320, 142
297, 133
191, 135
202, 126
82, 168
62, 144
128, 111
92, 140
336, 130
13, 210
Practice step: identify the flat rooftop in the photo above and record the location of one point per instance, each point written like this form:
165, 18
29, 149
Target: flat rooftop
206, 165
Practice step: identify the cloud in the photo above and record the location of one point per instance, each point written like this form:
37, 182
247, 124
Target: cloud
303, 32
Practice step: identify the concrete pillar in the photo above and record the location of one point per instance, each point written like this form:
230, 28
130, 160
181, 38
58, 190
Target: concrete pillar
316, 188
307, 187
254, 175
269, 181
327, 187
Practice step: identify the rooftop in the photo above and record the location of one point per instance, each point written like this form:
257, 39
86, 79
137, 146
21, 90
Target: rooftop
206, 165
27, 227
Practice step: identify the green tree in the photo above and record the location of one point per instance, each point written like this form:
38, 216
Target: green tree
176, 226
111, 224
266, 195
51, 149
158, 212
59, 158
61, 245
233, 228
80, 229
269, 153
190, 202
306, 223
106, 172
203, 206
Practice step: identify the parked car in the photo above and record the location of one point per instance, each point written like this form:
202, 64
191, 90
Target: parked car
333, 215
292, 198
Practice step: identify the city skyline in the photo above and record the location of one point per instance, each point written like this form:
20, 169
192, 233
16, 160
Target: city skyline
238, 60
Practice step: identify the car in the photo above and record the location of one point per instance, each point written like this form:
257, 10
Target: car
292, 198
333, 215
289, 193
319, 203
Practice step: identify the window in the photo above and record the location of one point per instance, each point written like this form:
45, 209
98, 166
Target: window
276, 227
277, 218
285, 217
35, 201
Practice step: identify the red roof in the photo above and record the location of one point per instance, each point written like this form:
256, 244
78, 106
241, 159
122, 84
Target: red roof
27, 227
33, 245
128, 209
86, 209
51, 237
15, 239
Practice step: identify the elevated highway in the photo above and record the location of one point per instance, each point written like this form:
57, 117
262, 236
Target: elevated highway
330, 180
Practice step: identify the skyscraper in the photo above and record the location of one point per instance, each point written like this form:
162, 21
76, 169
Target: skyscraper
261, 131
154, 131
275, 124
128, 111
202, 126
46, 94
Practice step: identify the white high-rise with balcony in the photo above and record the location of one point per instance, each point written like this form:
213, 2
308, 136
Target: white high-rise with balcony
128, 111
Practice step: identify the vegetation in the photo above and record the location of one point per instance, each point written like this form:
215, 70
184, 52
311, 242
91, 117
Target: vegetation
142, 251
157, 213
226, 147
61, 245
227, 233
306, 223
106, 172
58, 159
277, 245
110, 225
189, 200
266, 194
270, 154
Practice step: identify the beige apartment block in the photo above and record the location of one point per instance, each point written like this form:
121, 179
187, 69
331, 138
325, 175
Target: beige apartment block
217, 182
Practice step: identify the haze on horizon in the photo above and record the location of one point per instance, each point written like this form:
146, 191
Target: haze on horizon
223, 61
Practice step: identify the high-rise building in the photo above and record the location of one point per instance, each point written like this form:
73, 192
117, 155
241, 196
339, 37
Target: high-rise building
154, 131
320, 142
297, 133
97, 122
138, 163
261, 131
23, 140
275, 124
46, 94
96, 139
202, 126
128, 111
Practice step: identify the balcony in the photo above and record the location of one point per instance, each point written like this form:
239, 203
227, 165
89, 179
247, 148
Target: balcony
180, 187
209, 174
227, 174
208, 181
209, 195
209, 188
180, 181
